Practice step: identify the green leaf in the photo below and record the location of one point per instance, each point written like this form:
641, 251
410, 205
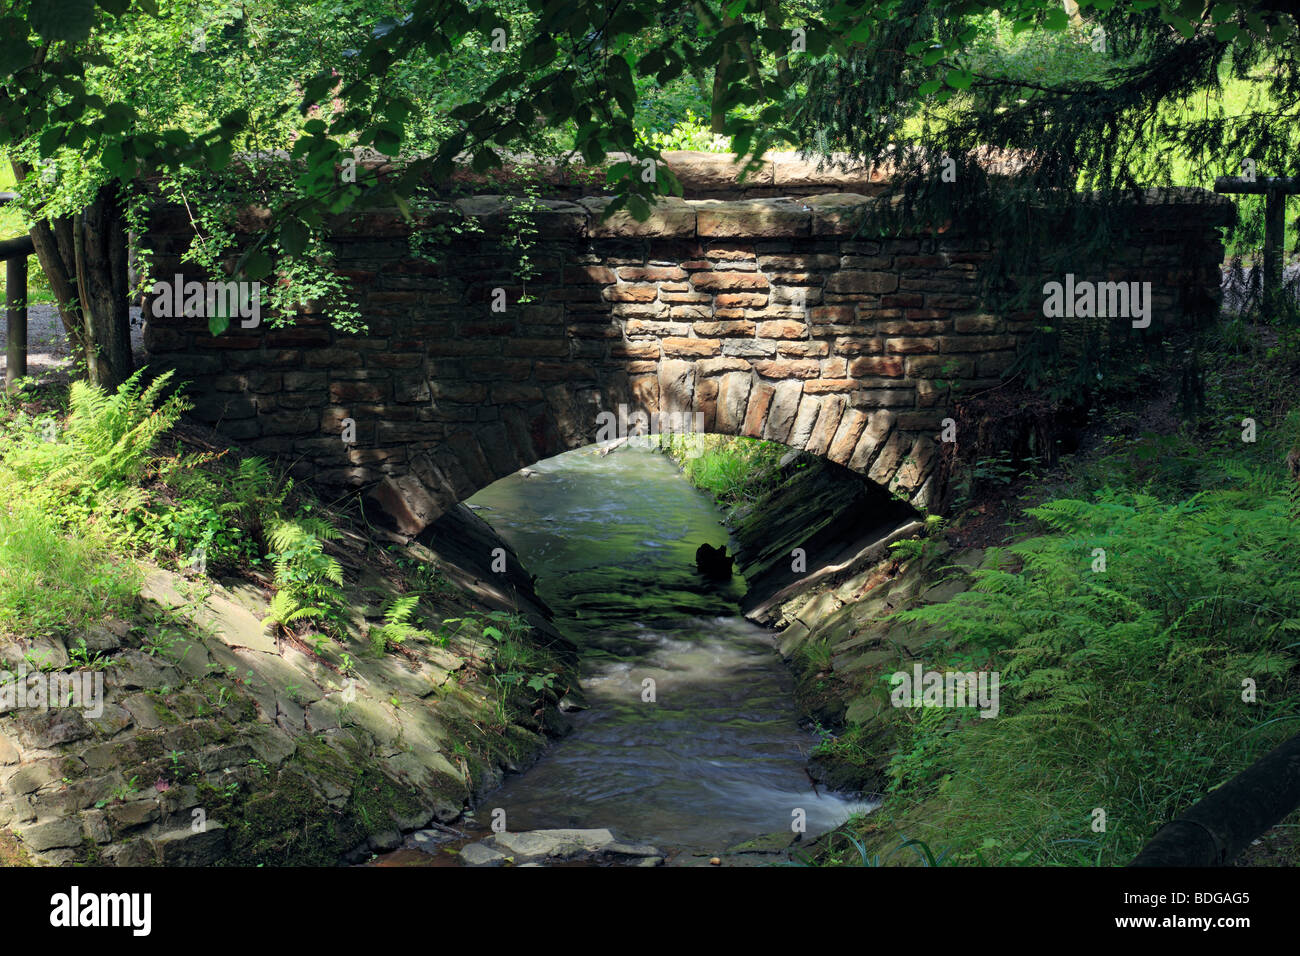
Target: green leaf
218, 324
1056, 19
484, 159
1226, 32
959, 79
294, 236
257, 265
15, 53
118, 117
66, 20
219, 154
929, 87
862, 32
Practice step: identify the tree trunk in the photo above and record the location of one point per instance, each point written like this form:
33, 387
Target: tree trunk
85, 261
102, 286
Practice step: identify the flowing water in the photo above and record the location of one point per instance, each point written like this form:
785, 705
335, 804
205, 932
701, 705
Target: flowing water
718, 757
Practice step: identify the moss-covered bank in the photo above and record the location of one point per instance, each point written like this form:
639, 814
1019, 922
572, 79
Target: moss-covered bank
394, 681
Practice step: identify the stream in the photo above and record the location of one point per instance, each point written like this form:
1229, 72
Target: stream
718, 757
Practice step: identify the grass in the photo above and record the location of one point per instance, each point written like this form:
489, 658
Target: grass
732, 470
53, 583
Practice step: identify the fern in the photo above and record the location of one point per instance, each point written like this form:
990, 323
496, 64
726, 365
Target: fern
397, 626
307, 580
110, 437
1110, 673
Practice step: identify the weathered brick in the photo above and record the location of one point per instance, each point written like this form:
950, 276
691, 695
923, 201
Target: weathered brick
678, 347
730, 252
717, 366
976, 323
782, 330
850, 282
547, 347
833, 313
639, 310
911, 346
858, 346
939, 366
740, 300
341, 392
706, 402
635, 350
977, 343
724, 329
832, 410
784, 407
801, 262
886, 365
733, 396
804, 349
729, 281
907, 300
820, 385
600, 275
641, 327
651, 273
897, 327
631, 293
846, 436
760, 400
789, 368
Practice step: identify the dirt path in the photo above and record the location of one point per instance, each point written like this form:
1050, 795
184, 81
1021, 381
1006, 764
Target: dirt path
47, 342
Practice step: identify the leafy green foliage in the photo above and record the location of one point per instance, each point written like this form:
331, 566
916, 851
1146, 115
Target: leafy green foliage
1110, 677
105, 443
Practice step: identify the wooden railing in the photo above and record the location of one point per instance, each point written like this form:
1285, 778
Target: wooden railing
1217, 829
14, 252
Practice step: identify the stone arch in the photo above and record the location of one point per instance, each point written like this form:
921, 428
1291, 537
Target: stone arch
870, 442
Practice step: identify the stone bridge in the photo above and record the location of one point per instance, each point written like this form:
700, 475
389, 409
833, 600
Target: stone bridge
765, 317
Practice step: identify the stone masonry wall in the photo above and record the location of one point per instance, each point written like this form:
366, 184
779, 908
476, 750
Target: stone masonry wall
767, 316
